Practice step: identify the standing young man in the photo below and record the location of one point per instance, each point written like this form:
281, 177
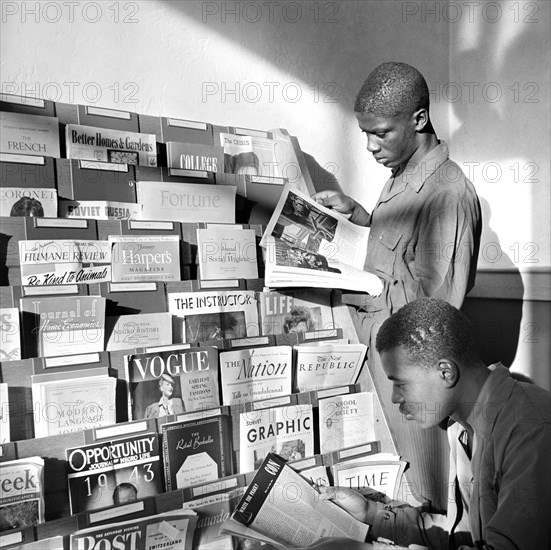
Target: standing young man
424, 238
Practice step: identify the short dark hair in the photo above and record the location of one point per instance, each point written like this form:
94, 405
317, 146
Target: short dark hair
124, 486
298, 314
27, 206
429, 330
393, 89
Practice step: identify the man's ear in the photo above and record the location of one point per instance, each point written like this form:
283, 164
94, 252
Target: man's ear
421, 119
448, 372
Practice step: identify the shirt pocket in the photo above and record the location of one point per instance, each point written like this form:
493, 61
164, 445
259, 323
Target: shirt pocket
388, 250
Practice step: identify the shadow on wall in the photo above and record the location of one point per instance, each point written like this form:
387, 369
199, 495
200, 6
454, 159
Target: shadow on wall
321, 178
497, 322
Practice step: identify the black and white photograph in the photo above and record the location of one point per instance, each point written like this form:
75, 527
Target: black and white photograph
387, 160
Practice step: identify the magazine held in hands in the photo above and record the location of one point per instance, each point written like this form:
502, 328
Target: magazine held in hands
309, 245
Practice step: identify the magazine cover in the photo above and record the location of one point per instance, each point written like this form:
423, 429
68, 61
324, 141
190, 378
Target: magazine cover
138, 330
170, 381
295, 310
212, 511
21, 493
327, 365
287, 431
64, 262
168, 531
227, 253
186, 202
114, 472
106, 145
10, 334
195, 156
24, 134
62, 325
62, 404
215, 314
145, 258
345, 421
99, 210
197, 451
255, 373
251, 155
278, 491
310, 245
38, 202
384, 476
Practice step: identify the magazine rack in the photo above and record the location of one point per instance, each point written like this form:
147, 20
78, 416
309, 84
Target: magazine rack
73, 179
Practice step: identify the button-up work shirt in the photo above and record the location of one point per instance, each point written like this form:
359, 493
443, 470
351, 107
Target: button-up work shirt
425, 233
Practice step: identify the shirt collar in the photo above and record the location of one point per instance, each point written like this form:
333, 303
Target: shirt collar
417, 171
492, 398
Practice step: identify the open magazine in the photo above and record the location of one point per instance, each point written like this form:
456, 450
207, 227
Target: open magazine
309, 245
282, 507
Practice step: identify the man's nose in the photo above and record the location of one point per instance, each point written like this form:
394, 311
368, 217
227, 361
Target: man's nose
396, 398
372, 145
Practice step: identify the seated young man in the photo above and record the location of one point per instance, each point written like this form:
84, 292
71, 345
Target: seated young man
499, 434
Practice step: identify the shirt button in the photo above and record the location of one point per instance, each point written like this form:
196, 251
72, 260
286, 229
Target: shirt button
370, 236
386, 515
380, 237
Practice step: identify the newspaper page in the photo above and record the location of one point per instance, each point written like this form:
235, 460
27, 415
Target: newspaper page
255, 373
328, 365
64, 262
287, 431
282, 505
21, 493
169, 531
308, 244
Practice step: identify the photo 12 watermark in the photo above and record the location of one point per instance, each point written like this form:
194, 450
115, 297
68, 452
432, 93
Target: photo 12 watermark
69, 12
75, 92
470, 11
269, 92
282, 11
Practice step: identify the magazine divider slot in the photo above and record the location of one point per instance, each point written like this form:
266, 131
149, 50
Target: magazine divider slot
83, 180
112, 119
16, 537
19, 171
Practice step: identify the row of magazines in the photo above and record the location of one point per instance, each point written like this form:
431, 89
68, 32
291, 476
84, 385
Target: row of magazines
239, 512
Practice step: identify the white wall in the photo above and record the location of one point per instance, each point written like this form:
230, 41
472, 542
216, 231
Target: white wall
183, 59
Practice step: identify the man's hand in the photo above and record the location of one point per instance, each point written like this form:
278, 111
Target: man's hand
348, 499
344, 205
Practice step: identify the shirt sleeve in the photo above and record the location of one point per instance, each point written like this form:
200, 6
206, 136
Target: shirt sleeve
447, 247
404, 525
521, 518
